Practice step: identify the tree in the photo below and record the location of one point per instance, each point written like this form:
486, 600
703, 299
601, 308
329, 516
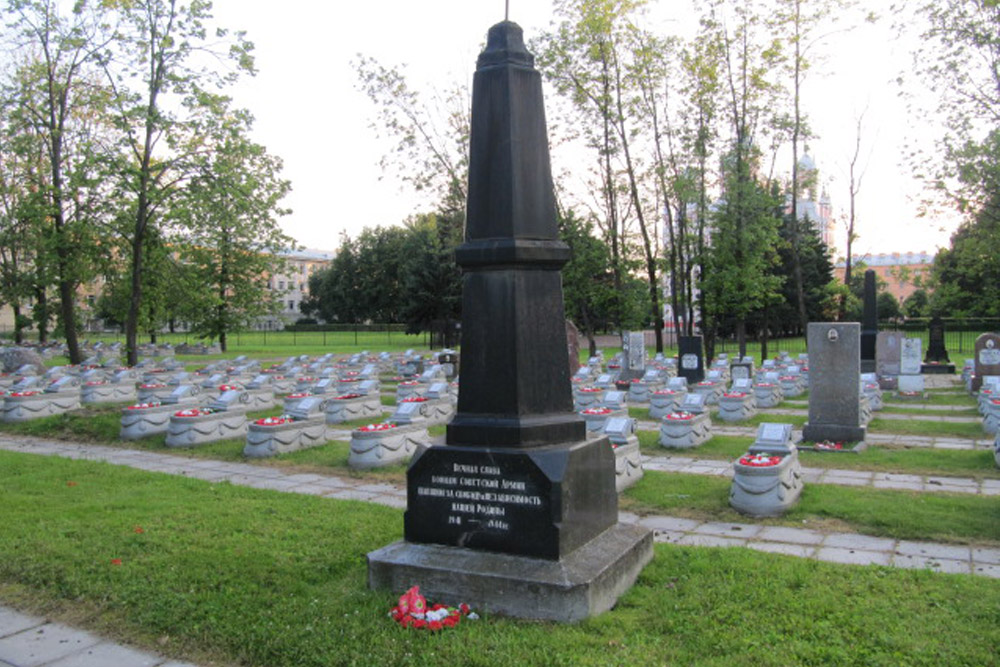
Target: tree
162, 47
60, 104
588, 284
959, 60
229, 212
965, 274
744, 237
431, 298
739, 278
797, 22
888, 307
432, 149
917, 304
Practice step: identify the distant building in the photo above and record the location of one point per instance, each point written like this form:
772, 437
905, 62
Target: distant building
291, 287
815, 208
900, 271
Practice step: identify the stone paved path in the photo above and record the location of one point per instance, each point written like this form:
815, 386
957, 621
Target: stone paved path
942, 442
30, 641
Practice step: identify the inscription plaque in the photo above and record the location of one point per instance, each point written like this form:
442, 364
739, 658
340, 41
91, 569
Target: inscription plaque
510, 502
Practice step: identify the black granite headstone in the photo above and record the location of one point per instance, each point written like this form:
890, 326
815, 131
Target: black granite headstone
518, 511
869, 324
936, 360
690, 359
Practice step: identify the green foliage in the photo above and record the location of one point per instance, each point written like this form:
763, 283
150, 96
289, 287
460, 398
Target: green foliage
817, 274
917, 304
231, 238
961, 271
395, 274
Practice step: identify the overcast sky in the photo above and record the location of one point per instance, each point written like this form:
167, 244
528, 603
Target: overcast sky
310, 113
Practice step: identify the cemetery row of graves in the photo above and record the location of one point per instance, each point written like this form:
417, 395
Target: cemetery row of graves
390, 405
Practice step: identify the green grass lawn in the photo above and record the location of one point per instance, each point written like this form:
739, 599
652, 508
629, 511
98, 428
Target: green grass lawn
237, 575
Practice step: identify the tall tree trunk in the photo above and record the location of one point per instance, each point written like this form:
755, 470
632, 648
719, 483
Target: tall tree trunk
42, 314
18, 326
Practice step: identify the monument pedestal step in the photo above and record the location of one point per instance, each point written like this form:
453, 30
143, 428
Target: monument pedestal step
586, 582
937, 369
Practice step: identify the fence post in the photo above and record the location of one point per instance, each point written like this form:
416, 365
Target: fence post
355, 333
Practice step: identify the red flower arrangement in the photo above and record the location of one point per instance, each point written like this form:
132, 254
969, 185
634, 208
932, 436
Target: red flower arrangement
415, 399
307, 379
346, 397
765, 384
153, 385
734, 394
760, 460
634, 380
827, 445
596, 411
786, 378
19, 394
274, 421
664, 392
95, 383
408, 383
300, 394
680, 415
412, 612
229, 387
613, 366
144, 406
590, 390
372, 428
194, 412
351, 379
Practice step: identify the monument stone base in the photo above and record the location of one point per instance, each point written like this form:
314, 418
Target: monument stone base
833, 433
937, 369
583, 583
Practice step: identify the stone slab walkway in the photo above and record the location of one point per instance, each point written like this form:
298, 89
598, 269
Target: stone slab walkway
30, 641
943, 442
875, 480
837, 547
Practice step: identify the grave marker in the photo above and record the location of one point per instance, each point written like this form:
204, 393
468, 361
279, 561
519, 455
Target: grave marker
517, 514
835, 388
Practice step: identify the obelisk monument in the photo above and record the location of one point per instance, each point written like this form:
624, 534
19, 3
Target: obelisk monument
517, 513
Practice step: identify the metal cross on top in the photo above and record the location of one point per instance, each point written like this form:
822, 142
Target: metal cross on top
506, 10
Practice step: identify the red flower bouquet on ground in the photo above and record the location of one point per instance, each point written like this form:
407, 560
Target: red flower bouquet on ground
194, 412
346, 397
371, 428
415, 399
144, 406
679, 416
826, 444
274, 421
413, 612
19, 394
596, 411
760, 460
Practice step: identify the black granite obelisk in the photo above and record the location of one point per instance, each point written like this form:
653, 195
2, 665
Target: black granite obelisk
517, 513
869, 324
